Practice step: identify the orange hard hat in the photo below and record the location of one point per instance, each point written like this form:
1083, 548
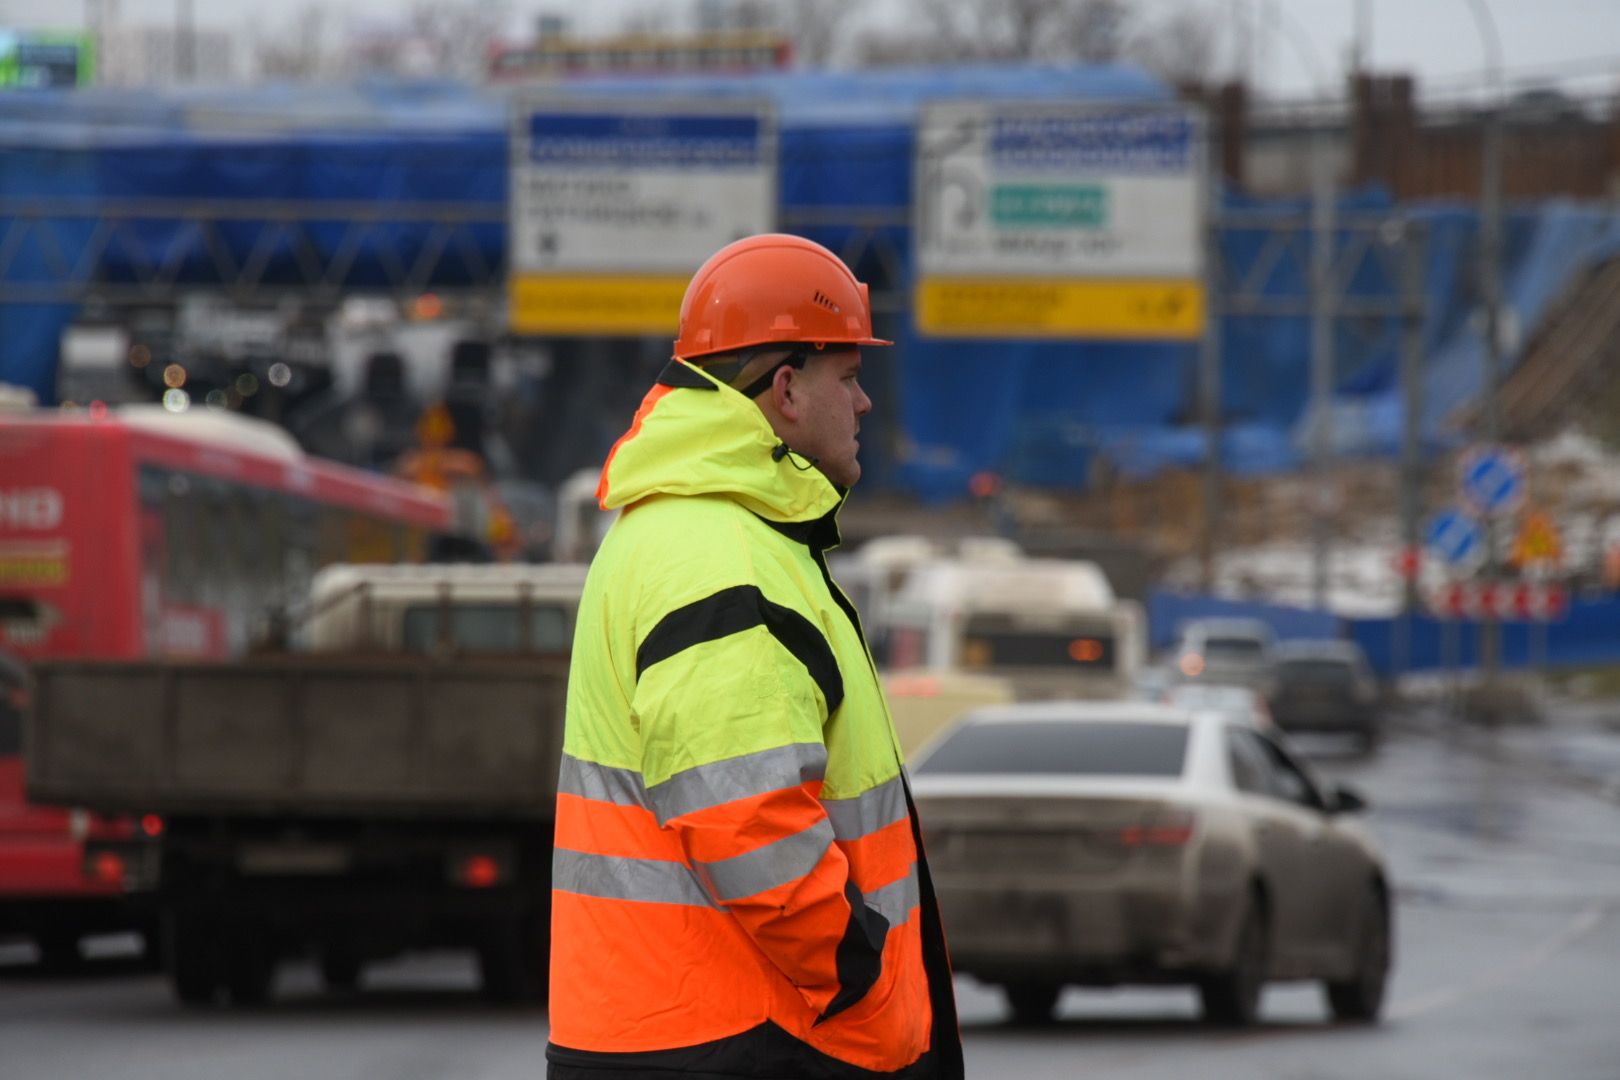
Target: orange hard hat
773, 288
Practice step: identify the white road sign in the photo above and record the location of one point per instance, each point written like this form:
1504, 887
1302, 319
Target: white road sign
614, 203
1072, 190
1060, 219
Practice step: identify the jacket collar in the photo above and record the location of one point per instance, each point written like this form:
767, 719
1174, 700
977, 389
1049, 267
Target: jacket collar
694, 436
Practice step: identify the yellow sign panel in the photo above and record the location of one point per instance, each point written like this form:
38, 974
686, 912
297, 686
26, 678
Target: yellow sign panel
1060, 308
572, 304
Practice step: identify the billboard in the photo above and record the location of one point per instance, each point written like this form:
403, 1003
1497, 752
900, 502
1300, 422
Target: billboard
614, 204
45, 60
1059, 220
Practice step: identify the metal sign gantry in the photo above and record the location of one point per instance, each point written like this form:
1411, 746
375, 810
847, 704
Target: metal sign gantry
121, 252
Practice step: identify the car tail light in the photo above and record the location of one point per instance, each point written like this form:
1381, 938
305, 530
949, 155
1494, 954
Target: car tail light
1172, 829
479, 871
152, 826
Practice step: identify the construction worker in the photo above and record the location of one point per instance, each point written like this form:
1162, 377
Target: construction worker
739, 886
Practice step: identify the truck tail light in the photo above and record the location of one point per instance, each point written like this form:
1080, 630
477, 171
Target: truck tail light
479, 871
108, 867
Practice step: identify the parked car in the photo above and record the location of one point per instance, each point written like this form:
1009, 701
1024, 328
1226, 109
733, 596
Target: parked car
1225, 651
1098, 844
1240, 704
1325, 686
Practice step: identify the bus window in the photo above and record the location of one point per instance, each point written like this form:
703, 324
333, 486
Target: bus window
486, 628
181, 542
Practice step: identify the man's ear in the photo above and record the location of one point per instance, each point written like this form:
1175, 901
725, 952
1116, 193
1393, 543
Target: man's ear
782, 392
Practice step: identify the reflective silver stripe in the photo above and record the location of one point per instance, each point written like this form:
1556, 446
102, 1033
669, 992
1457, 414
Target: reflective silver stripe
777, 863
868, 812
736, 778
616, 877
604, 783
895, 900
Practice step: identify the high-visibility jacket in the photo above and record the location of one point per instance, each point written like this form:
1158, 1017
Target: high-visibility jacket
739, 887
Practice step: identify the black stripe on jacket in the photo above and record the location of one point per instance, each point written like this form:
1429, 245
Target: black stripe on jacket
732, 611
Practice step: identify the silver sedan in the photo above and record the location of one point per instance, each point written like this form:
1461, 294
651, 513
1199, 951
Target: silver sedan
1093, 844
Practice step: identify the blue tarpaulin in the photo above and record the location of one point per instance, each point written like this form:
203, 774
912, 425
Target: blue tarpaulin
1587, 636
1048, 413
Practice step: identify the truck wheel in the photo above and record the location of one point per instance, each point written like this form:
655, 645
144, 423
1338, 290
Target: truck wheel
514, 959
340, 970
58, 949
191, 962
1032, 1002
250, 967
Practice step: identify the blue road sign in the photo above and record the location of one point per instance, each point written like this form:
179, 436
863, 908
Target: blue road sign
1492, 480
1455, 536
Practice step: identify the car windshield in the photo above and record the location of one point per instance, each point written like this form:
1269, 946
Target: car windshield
1316, 670
1034, 747
1233, 648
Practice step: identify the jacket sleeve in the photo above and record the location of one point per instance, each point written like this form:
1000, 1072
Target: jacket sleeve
731, 696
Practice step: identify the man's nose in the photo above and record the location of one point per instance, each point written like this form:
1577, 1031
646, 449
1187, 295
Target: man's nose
863, 404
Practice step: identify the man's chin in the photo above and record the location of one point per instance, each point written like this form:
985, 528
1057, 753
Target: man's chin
843, 474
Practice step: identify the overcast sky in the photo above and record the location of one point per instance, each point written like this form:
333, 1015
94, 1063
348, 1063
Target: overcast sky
1570, 39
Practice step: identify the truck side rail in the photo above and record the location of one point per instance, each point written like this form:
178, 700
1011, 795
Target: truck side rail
304, 735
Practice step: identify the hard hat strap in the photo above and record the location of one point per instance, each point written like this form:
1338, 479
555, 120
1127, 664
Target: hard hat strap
733, 368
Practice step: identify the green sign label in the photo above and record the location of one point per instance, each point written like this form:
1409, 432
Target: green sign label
1049, 206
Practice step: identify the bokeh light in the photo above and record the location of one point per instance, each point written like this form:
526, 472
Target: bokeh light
174, 376
280, 374
176, 400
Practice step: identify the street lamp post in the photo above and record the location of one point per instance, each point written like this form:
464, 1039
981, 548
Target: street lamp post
1490, 289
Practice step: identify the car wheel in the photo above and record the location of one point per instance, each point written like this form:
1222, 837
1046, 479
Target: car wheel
1032, 1002
1232, 997
1360, 998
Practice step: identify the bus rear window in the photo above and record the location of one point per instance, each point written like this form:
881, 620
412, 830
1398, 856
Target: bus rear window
486, 628
1002, 648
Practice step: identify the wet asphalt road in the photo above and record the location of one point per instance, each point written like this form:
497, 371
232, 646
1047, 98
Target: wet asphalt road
1504, 849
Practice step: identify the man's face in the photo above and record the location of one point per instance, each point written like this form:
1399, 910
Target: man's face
830, 401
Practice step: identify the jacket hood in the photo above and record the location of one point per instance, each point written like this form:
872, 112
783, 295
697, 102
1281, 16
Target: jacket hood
695, 436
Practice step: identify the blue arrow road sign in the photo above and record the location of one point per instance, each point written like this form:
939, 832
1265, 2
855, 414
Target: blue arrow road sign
1455, 536
1492, 480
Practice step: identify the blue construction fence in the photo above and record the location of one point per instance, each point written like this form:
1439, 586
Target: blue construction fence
1588, 636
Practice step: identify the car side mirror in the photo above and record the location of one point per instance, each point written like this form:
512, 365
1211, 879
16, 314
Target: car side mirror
1344, 799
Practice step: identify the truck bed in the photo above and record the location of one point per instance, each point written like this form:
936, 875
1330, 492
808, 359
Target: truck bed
301, 735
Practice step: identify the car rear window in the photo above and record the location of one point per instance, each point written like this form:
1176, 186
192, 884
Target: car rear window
1317, 671
1234, 648
1105, 748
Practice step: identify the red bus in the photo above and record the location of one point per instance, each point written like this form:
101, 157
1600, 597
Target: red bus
134, 533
